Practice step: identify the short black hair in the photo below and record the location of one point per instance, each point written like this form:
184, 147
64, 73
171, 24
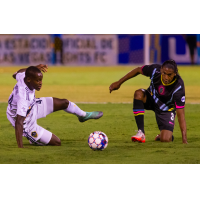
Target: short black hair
31, 71
170, 64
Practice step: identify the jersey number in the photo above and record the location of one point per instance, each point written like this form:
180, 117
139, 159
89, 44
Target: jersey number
172, 116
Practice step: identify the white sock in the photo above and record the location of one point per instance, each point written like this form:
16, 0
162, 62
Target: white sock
74, 109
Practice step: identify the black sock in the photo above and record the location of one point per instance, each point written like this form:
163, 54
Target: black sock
138, 110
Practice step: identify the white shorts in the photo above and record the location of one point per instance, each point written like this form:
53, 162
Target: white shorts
32, 131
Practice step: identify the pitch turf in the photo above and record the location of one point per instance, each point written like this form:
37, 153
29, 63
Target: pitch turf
91, 85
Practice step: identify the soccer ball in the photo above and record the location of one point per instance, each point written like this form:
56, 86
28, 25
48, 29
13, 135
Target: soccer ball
98, 140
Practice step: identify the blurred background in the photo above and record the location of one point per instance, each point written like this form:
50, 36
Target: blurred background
98, 50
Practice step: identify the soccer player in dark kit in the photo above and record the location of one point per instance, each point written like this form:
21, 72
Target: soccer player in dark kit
165, 96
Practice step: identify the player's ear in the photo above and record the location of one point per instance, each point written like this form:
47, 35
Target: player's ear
175, 73
28, 79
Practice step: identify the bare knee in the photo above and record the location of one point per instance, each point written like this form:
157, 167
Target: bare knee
166, 136
55, 141
58, 142
139, 95
65, 103
60, 104
165, 139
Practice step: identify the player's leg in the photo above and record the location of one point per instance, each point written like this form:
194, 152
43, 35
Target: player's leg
40, 136
55, 141
165, 121
70, 107
43, 107
157, 138
138, 110
47, 105
48, 138
166, 136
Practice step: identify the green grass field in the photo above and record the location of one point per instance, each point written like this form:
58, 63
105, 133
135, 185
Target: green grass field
91, 85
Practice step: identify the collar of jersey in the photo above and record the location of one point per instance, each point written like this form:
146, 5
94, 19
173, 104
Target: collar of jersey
168, 83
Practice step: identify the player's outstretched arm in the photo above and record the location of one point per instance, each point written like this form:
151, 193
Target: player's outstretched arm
19, 130
41, 67
116, 85
182, 124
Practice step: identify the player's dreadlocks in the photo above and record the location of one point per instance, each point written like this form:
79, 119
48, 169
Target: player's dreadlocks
171, 64
31, 71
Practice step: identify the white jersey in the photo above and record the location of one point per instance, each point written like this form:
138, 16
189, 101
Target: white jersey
21, 101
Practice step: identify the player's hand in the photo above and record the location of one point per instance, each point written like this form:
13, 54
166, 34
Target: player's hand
42, 67
185, 141
23, 147
114, 86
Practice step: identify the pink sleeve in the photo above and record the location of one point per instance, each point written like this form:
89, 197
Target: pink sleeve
142, 68
178, 107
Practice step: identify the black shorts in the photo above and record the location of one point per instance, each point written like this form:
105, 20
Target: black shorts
165, 120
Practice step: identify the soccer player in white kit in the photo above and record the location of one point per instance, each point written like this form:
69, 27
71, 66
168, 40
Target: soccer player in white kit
24, 109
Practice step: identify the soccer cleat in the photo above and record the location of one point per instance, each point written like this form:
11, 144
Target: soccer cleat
158, 138
139, 137
91, 115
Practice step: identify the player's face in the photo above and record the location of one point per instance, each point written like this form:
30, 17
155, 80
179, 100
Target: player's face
167, 74
36, 81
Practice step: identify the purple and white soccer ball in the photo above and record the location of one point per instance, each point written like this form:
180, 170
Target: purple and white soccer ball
98, 140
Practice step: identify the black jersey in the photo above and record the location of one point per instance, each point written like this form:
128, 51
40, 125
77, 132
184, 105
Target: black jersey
167, 97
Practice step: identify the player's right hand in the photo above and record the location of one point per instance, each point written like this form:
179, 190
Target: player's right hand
185, 142
114, 86
42, 67
184, 139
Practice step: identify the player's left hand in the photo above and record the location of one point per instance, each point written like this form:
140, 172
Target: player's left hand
42, 67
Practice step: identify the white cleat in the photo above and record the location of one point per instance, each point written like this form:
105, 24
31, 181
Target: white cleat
139, 137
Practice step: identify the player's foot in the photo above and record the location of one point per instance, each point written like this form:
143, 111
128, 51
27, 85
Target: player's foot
139, 137
158, 138
91, 115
